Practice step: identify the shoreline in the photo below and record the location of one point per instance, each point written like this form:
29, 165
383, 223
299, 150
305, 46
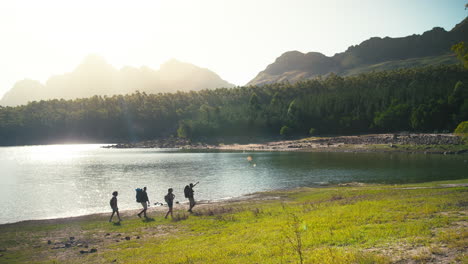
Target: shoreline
402, 142
347, 223
203, 204
152, 208
256, 196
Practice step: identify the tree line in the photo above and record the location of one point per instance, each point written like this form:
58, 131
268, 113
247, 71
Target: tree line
424, 99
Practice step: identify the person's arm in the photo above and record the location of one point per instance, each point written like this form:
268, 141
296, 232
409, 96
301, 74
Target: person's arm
195, 184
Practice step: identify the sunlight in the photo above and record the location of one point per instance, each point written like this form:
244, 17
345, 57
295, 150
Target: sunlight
60, 152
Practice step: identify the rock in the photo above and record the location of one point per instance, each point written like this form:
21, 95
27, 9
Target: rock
107, 234
127, 238
2, 249
93, 250
58, 247
49, 242
67, 245
79, 245
1, 255
119, 234
84, 251
138, 237
72, 238
115, 260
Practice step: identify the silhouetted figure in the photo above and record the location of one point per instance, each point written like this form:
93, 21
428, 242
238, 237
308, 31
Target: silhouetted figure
188, 191
169, 198
113, 205
143, 199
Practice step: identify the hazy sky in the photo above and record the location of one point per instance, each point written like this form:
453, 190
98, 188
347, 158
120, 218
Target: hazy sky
236, 39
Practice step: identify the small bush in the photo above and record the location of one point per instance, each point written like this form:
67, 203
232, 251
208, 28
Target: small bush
462, 130
312, 131
285, 131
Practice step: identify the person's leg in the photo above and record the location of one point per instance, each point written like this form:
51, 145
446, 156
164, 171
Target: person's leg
118, 215
145, 207
112, 215
192, 203
167, 213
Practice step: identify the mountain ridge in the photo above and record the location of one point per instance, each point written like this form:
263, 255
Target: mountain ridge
95, 76
294, 66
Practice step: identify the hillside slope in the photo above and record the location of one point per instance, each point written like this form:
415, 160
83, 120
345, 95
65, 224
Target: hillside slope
374, 54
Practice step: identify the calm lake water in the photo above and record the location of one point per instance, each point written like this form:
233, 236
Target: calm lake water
39, 182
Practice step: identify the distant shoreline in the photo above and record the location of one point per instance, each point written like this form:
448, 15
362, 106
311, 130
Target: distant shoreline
402, 142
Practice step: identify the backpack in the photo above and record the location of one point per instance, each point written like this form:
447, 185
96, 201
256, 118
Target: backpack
187, 191
139, 195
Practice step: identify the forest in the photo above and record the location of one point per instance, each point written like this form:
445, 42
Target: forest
428, 99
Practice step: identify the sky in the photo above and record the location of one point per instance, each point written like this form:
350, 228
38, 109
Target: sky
234, 38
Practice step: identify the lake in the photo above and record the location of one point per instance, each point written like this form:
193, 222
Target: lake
41, 182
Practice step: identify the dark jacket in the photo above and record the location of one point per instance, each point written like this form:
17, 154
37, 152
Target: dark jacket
113, 202
144, 197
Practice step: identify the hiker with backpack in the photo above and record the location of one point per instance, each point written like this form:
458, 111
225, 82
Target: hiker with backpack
188, 192
142, 197
169, 198
113, 205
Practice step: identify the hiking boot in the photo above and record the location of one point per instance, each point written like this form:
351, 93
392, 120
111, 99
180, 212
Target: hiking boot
139, 215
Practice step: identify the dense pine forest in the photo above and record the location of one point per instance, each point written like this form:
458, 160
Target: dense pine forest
425, 99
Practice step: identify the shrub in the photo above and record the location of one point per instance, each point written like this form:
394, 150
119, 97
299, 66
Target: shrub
184, 130
312, 131
462, 130
285, 131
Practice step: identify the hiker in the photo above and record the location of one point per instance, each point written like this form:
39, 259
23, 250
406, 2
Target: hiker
113, 205
188, 191
169, 198
142, 197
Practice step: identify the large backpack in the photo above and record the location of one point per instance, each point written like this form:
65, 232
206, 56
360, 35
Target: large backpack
187, 191
139, 195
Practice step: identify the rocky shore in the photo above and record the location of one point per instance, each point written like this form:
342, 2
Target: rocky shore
402, 142
171, 142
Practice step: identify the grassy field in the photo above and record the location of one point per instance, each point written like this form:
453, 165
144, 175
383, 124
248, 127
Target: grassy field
417, 223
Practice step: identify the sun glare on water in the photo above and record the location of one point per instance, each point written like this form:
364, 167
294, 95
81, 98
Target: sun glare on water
60, 152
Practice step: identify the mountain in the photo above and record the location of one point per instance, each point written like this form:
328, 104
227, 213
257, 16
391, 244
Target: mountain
374, 54
94, 76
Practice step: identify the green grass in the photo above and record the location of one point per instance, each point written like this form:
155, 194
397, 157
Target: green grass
369, 224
